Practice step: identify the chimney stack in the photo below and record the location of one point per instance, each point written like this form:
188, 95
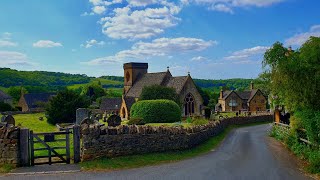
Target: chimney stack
221, 94
251, 85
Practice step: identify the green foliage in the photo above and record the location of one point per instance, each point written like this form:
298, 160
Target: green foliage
5, 107
159, 92
136, 121
310, 120
94, 91
156, 111
205, 94
15, 92
62, 107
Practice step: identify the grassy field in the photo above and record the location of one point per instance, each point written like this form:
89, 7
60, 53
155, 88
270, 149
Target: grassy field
96, 80
135, 161
32, 122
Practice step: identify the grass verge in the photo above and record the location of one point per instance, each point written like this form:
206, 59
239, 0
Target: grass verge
6, 168
134, 161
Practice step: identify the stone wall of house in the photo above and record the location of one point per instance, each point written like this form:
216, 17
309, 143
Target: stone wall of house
258, 102
9, 146
126, 140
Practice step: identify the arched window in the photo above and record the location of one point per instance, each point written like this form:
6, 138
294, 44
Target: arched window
189, 105
127, 77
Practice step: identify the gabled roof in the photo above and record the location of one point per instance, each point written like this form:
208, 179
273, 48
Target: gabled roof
148, 79
244, 95
4, 96
177, 83
33, 98
110, 104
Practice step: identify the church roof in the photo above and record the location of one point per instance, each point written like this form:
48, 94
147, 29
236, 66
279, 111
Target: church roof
147, 79
129, 102
161, 78
4, 96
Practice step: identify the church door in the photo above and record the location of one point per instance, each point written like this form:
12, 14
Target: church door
189, 105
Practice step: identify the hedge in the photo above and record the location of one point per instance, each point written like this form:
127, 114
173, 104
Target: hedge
156, 111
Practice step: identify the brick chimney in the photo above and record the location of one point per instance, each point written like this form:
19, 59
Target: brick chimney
221, 94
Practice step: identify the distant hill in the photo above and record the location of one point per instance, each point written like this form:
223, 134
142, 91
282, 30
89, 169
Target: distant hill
37, 81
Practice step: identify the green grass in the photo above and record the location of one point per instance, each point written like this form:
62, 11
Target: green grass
6, 168
135, 161
103, 82
32, 122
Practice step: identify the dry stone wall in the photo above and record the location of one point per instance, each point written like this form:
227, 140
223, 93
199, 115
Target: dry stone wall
9, 146
127, 140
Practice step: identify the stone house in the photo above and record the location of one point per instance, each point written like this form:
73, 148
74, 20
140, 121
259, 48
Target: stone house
136, 77
110, 105
34, 101
250, 100
5, 98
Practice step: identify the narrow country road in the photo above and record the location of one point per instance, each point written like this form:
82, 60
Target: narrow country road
246, 153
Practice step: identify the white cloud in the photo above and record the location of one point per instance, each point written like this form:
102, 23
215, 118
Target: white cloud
139, 24
247, 53
158, 47
142, 2
46, 44
99, 9
299, 39
199, 59
87, 14
5, 40
12, 58
92, 42
229, 5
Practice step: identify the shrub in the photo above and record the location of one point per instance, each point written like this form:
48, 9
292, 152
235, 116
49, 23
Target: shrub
159, 92
136, 121
62, 107
156, 111
5, 107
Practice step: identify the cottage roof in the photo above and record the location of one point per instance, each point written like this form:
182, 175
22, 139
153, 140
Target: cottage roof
244, 95
110, 104
4, 96
33, 98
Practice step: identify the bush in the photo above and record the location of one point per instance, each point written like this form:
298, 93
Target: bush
136, 121
62, 107
5, 107
156, 111
159, 92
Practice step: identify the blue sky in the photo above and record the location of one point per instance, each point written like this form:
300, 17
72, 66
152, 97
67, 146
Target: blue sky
213, 39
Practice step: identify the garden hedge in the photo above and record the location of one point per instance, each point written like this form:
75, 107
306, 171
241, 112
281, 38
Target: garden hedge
156, 111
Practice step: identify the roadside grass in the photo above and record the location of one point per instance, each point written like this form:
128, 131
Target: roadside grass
134, 161
6, 168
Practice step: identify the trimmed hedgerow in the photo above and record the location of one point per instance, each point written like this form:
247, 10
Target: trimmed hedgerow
156, 111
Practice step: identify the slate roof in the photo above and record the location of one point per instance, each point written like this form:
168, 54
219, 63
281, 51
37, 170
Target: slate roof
33, 98
161, 78
110, 104
4, 96
244, 95
177, 83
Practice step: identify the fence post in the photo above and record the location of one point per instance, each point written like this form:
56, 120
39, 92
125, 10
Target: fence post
24, 147
76, 143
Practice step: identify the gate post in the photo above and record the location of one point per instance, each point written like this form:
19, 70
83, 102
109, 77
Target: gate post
24, 147
76, 143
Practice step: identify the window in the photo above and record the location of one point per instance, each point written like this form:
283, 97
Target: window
189, 105
127, 77
233, 103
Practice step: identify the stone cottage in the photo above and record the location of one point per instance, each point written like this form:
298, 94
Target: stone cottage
34, 101
250, 100
136, 77
5, 98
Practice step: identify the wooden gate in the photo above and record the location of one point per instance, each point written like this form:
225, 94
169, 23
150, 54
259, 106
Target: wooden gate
40, 142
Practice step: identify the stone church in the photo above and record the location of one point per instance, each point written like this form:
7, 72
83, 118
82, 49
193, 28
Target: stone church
136, 77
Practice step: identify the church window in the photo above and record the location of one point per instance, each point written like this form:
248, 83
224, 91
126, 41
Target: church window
189, 105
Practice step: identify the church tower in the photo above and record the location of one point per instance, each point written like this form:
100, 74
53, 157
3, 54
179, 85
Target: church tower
132, 72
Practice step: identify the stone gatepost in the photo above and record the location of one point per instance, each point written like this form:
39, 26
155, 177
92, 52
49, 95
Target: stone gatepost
81, 114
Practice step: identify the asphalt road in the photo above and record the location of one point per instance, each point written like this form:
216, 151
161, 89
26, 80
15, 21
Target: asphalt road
246, 153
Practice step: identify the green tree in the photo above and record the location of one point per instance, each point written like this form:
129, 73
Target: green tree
16, 91
62, 107
94, 91
159, 92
